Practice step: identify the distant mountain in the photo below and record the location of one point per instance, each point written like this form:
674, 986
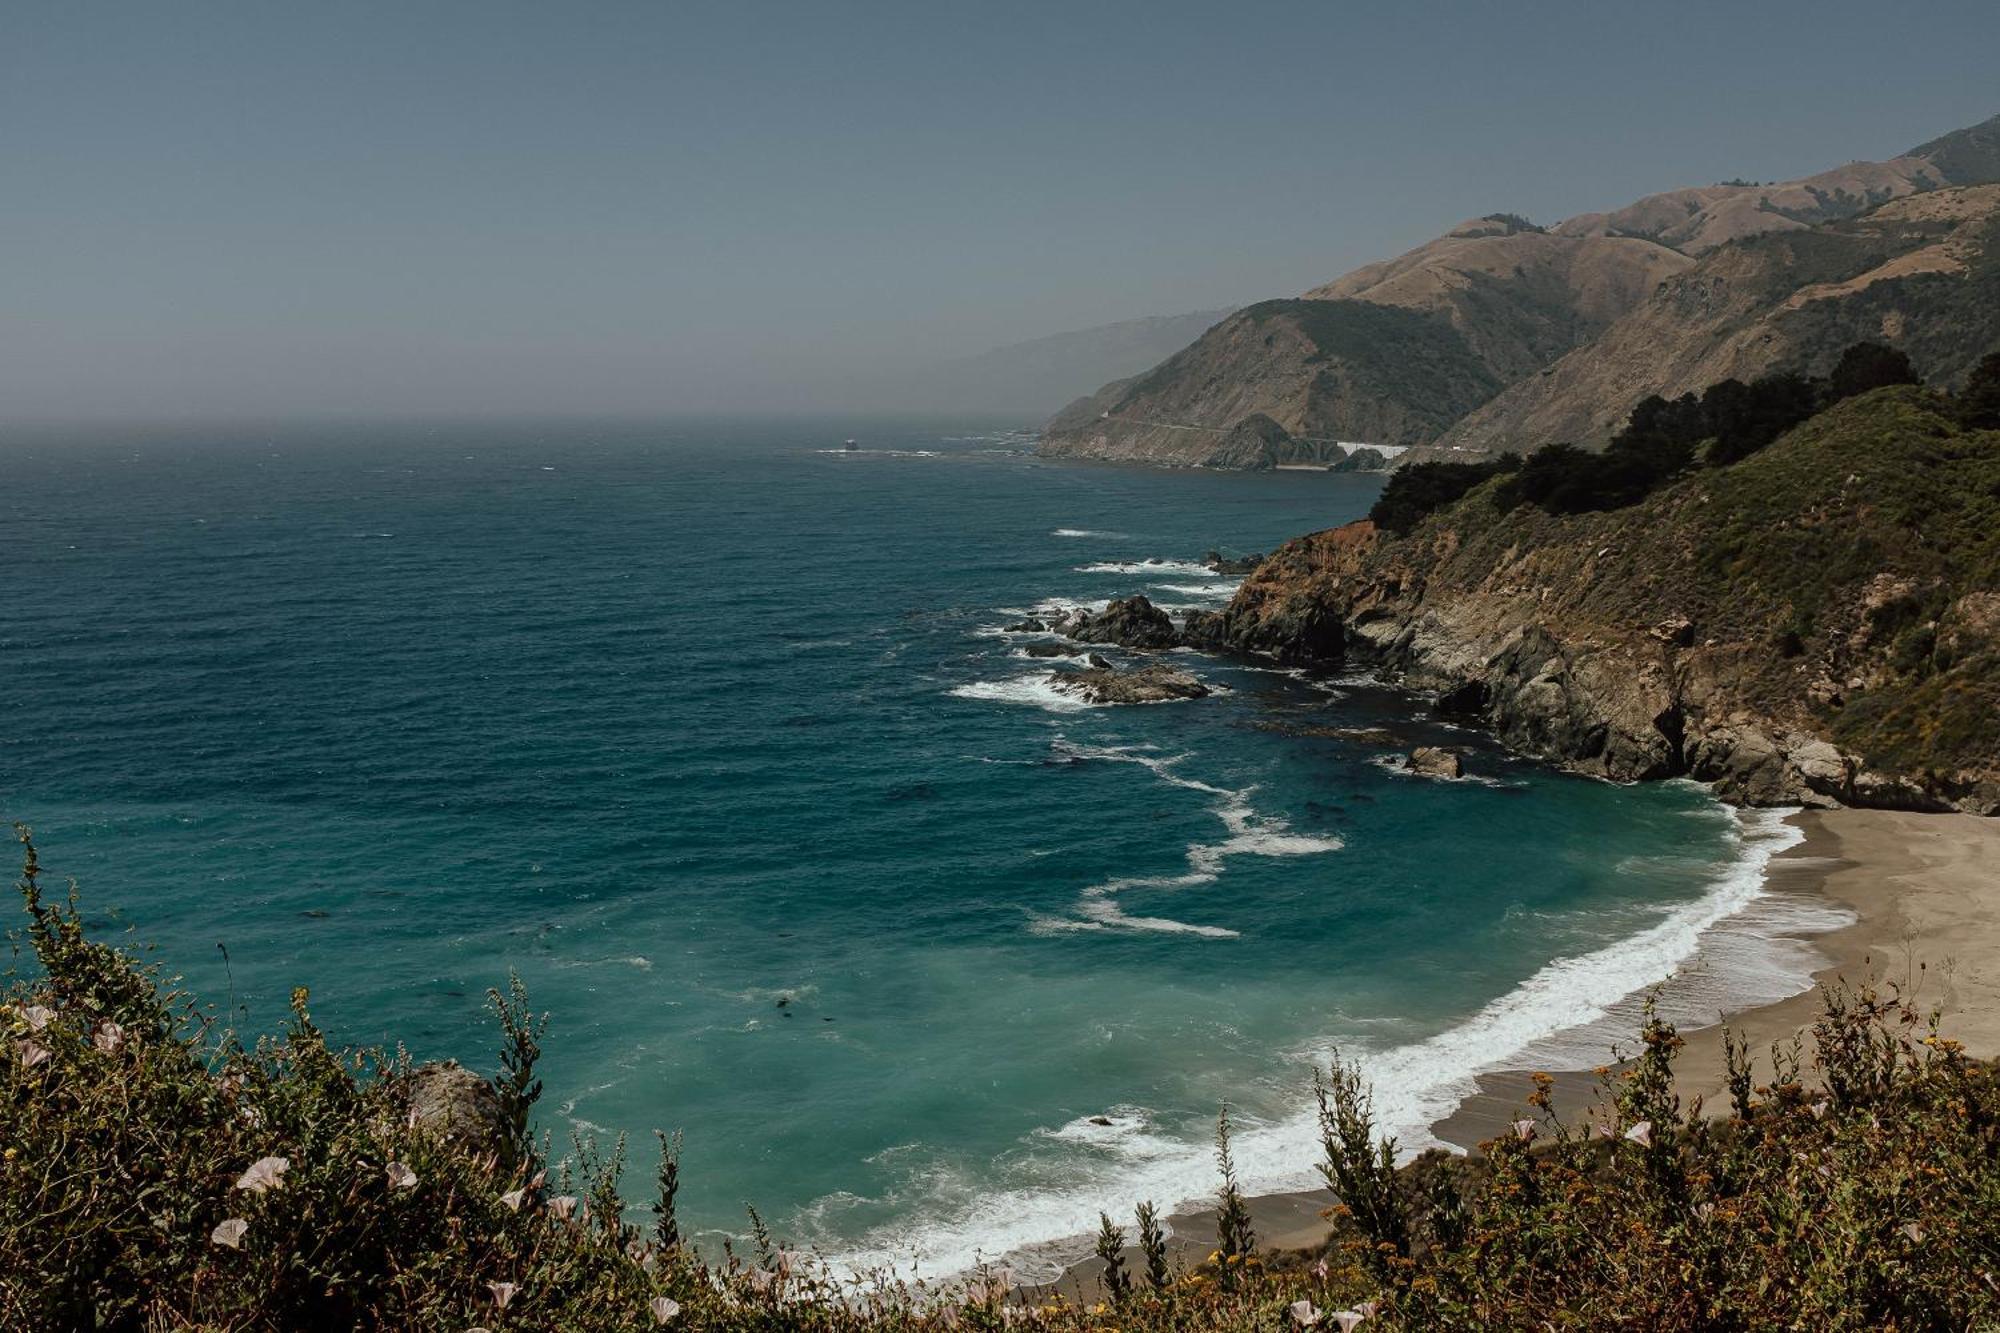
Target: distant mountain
1921, 273
1035, 378
1483, 314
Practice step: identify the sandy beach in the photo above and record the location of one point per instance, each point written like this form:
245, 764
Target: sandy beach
1925, 893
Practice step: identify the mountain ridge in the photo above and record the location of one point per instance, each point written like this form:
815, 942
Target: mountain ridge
1518, 300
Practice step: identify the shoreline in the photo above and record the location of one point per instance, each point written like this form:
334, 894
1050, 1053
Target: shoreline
1924, 893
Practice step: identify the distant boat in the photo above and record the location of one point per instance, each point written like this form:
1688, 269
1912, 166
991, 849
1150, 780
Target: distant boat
849, 445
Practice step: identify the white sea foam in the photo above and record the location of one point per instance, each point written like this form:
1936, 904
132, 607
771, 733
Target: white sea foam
1399, 765
1149, 566
1216, 590
1735, 924
882, 453
1035, 690
1087, 532
1250, 834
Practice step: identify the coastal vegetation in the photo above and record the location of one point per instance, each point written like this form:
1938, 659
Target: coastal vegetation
1815, 620
1661, 440
159, 1172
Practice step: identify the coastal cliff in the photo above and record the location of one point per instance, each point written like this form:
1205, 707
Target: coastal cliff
1818, 623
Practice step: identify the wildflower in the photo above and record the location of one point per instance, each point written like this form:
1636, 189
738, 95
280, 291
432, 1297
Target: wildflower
1641, 1133
1368, 1308
512, 1198
1818, 1109
1320, 1270
563, 1205
1524, 1130
32, 1053
229, 1232
1704, 1211
400, 1176
1347, 1319
761, 1279
108, 1037
1600, 1130
264, 1173
1304, 1313
503, 1293
663, 1308
39, 1016
1914, 1231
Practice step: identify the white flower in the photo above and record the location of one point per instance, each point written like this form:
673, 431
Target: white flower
264, 1173
563, 1205
1347, 1319
1369, 1307
1600, 1130
663, 1308
1914, 1231
108, 1037
1304, 1313
39, 1016
761, 1279
400, 1176
229, 1232
512, 1198
1818, 1109
1641, 1133
503, 1293
1524, 1130
32, 1053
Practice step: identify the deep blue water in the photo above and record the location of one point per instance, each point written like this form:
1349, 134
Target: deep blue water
683, 721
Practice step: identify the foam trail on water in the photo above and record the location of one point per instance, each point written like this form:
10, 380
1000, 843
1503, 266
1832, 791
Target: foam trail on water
1087, 532
1153, 566
1250, 834
1040, 1230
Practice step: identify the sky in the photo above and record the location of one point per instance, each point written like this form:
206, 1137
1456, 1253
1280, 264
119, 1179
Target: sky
266, 209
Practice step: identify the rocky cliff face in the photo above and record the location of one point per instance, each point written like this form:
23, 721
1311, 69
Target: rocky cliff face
1819, 623
1568, 320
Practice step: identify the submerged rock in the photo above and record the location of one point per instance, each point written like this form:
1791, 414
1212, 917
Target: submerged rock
1053, 650
1150, 684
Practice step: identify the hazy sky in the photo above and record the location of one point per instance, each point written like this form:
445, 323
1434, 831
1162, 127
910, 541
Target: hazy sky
267, 207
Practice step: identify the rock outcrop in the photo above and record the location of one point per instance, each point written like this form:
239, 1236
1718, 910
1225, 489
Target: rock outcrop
1430, 761
450, 1100
1153, 683
1817, 624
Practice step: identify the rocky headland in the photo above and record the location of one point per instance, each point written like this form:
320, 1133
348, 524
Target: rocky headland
1817, 624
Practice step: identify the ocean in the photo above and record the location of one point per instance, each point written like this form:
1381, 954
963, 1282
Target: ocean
715, 734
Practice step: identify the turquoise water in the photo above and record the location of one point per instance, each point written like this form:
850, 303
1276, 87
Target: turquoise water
685, 721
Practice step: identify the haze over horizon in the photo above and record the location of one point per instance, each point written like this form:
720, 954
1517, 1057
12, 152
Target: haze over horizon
492, 210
